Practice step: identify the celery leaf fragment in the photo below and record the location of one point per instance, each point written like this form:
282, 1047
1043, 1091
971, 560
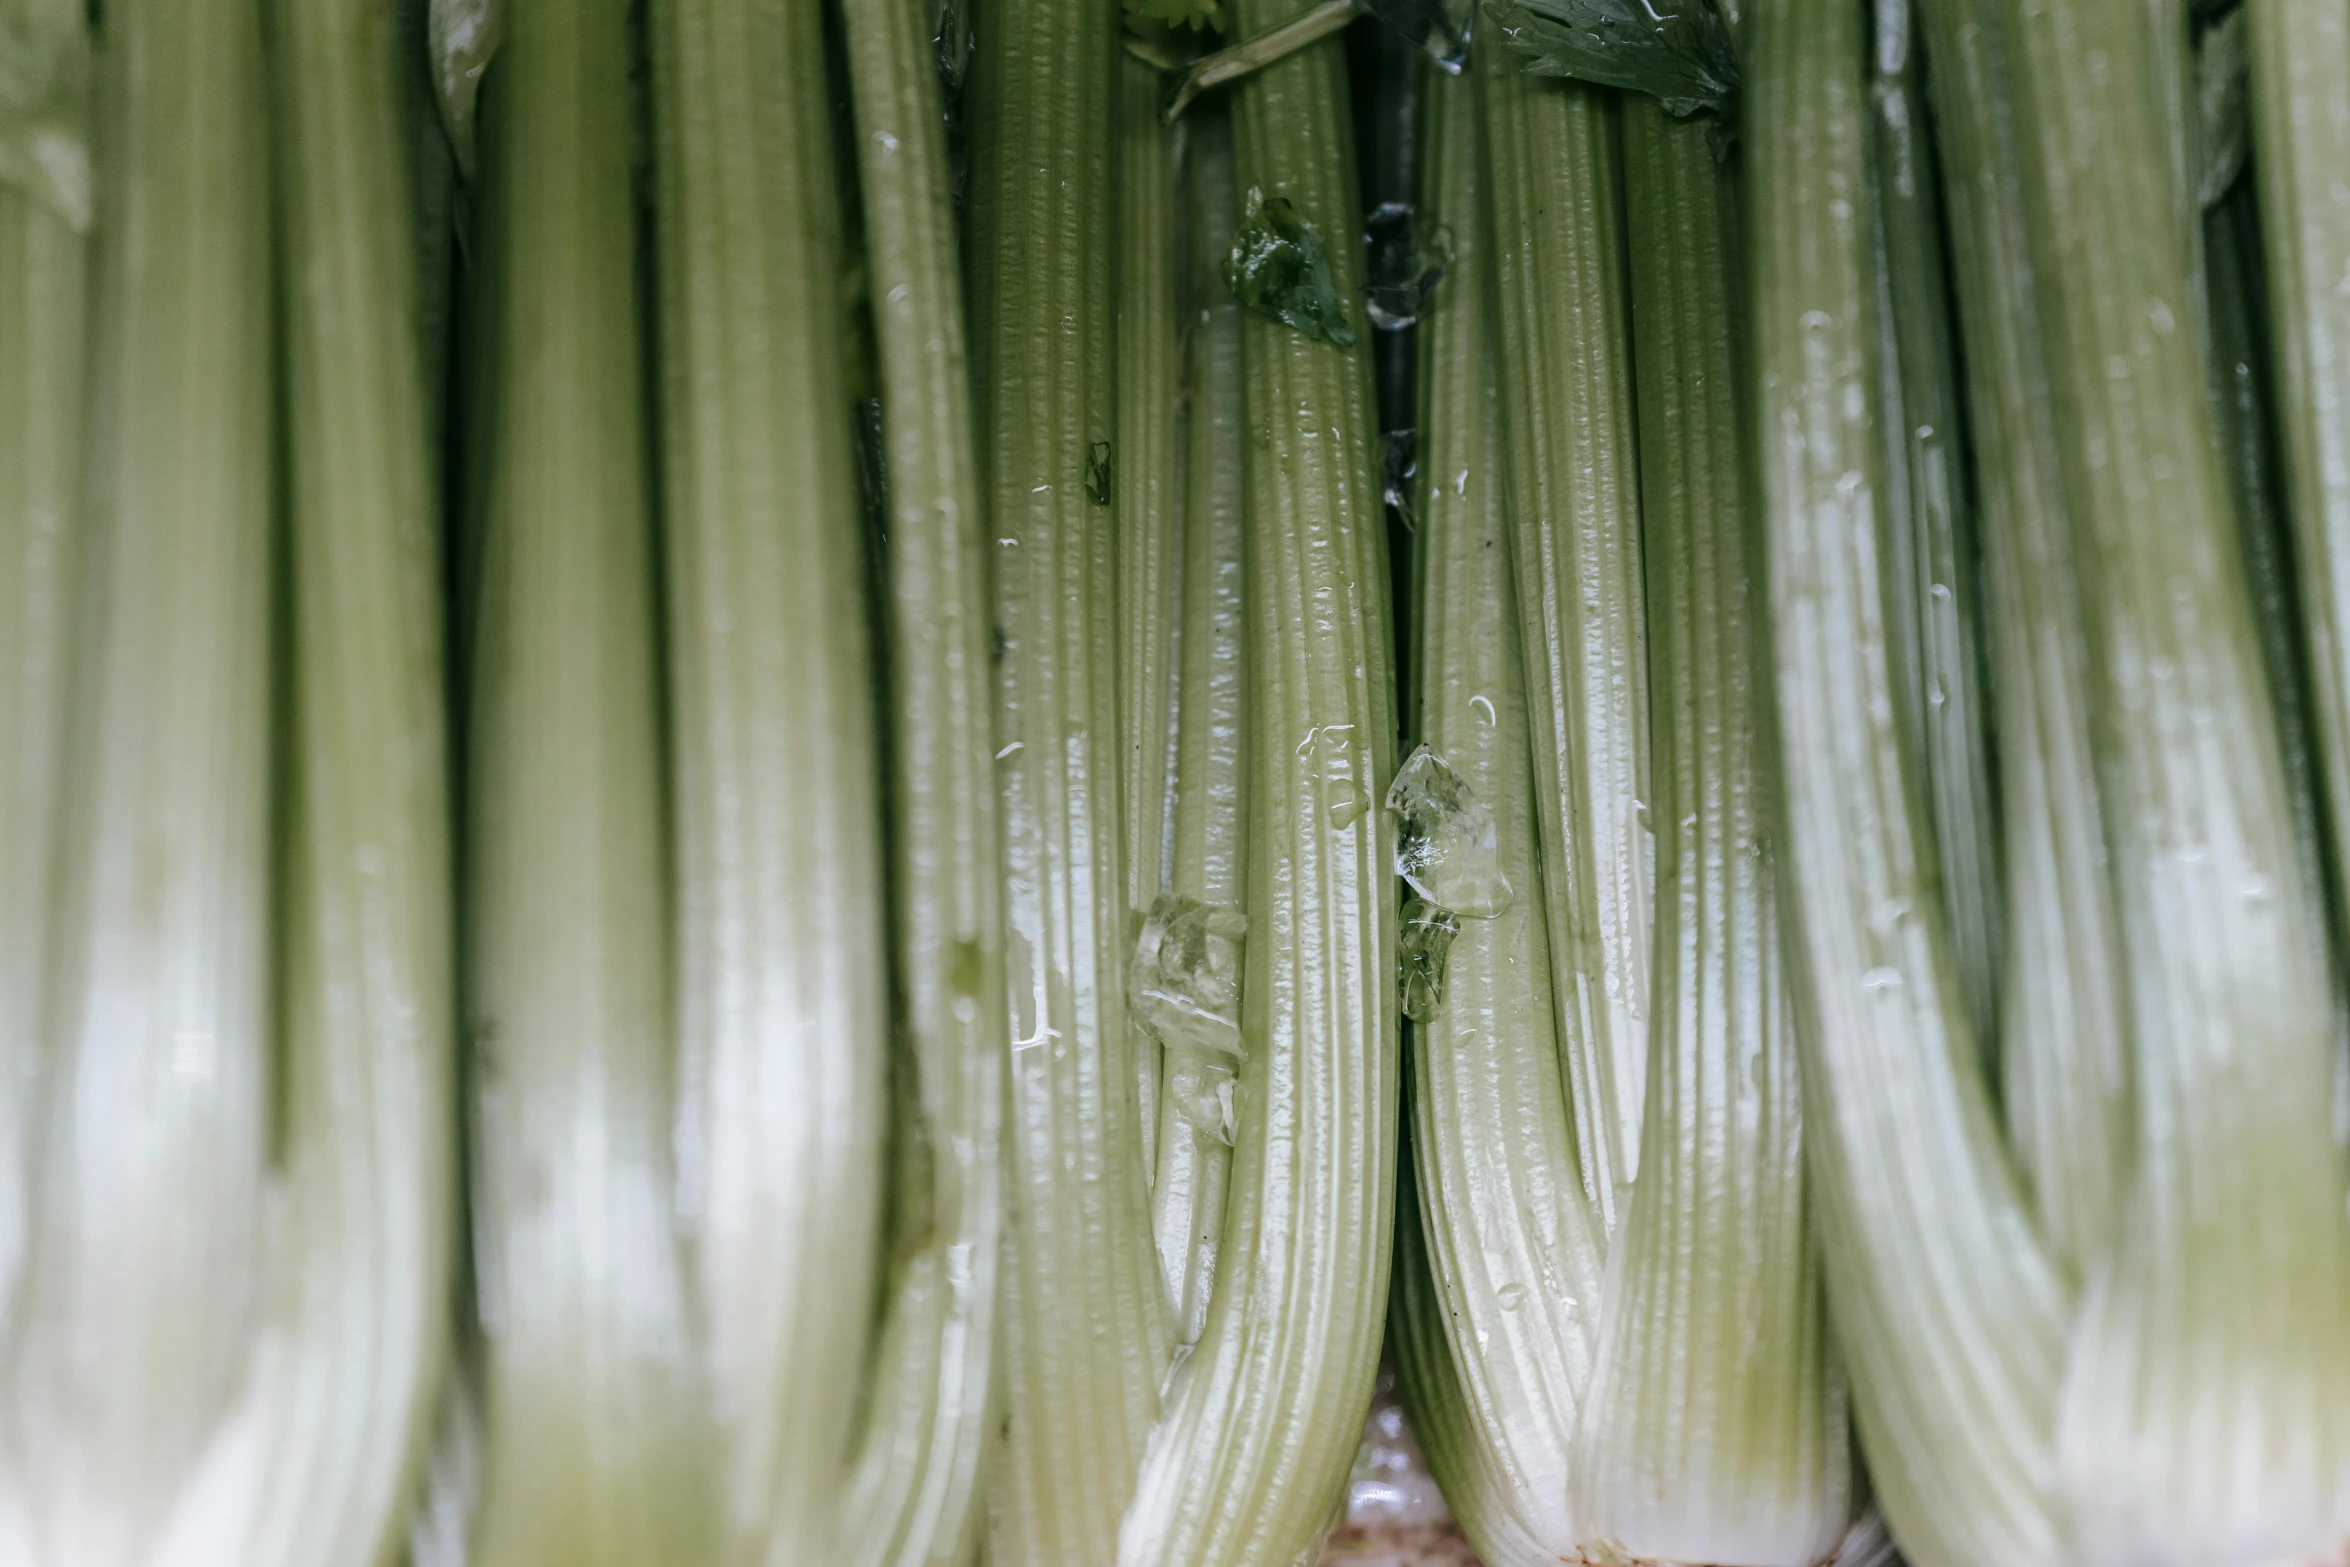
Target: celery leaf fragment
1677, 51
1278, 268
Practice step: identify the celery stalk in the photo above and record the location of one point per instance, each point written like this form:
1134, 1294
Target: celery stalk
42, 302
2301, 133
2206, 1410
597, 1442
1085, 1340
1264, 1418
320, 1458
141, 1286
1209, 860
1146, 508
1714, 1429
1931, 520
1480, 1498
1566, 391
783, 1024
2063, 1061
1508, 1325
1951, 1314
915, 1490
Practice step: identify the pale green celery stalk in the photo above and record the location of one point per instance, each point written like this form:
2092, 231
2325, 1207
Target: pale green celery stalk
2301, 136
914, 1493
598, 1451
1516, 1247
2063, 1061
782, 1002
1480, 1499
1085, 1331
318, 1462
1556, 227
42, 302
1263, 1420
2242, 402
2206, 1409
1930, 518
1146, 510
1209, 860
146, 1236
1951, 1315
1715, 1428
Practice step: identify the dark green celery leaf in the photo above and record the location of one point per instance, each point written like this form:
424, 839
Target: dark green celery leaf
1278, 267
1677, 51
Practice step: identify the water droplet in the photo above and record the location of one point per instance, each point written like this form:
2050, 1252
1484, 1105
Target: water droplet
1510, 1296
1347, 809
1484, 707
1881, 979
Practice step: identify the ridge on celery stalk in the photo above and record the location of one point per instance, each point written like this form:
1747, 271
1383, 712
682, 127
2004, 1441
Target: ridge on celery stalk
915, 1492
1930, 521
1145, 490
1085, 1332
1208, 860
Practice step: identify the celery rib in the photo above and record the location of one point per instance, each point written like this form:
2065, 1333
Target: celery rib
2244, 404
43, 299
2206, 1410
1517, 1247
783, 1024
319, 1461
1209, 861
158, 1022
1952, 1317
1085, 1340
1147, 509
1264, 1418
915, 1489
2063, 1060
1714, 1428
1557, 235
1931, 522
597, 1448
2300, 59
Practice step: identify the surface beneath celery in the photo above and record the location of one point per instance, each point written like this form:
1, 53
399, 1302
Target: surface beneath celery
1395, 1516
